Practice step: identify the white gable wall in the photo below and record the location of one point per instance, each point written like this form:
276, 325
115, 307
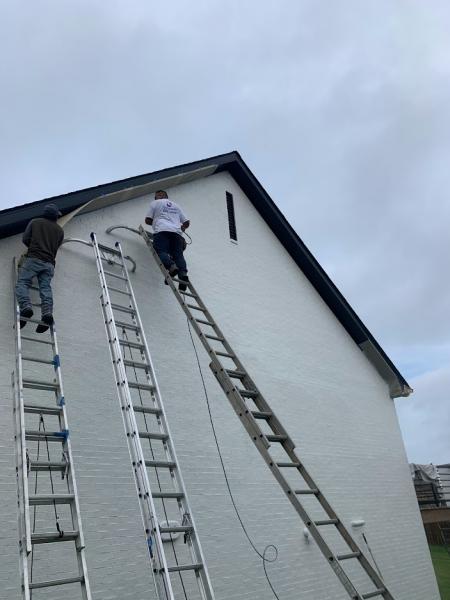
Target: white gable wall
328, 395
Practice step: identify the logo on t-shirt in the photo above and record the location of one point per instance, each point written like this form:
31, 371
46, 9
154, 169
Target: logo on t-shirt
169, 204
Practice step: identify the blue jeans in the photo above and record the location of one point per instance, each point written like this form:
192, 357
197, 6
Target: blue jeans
169, 248
44, 271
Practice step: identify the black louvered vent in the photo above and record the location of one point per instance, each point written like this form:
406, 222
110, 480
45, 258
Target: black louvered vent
231, 217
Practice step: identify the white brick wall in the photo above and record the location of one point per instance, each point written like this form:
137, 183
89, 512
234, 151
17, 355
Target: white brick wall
330, 398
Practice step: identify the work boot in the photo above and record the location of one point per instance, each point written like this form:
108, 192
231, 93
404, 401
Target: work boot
47, 321
27, 313
183, 277
173, 270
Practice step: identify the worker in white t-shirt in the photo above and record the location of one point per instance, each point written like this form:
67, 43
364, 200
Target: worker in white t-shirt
169, 221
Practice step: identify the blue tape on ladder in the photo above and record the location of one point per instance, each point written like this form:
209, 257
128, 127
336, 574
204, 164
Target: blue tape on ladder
61, 401
150, 545
56, 361
64, 434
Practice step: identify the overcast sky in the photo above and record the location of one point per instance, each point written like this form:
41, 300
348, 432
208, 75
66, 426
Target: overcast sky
341, 109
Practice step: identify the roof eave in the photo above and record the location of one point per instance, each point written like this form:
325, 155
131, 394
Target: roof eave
14, 220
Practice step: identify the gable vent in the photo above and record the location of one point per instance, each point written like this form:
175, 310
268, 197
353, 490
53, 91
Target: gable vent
231, 216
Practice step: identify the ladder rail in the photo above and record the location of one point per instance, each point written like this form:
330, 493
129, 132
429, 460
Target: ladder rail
263, 445
21, 416
202, 574
20, 493
71, 478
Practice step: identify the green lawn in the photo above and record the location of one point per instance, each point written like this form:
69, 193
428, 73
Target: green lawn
441, 563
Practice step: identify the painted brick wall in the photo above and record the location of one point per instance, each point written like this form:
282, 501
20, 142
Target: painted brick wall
330, 398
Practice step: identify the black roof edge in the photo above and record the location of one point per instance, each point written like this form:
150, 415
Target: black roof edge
14, 220
312, 269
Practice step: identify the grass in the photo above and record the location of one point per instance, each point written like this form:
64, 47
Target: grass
441, 563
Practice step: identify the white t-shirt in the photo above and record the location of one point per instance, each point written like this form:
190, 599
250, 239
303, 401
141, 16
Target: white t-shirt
166, 215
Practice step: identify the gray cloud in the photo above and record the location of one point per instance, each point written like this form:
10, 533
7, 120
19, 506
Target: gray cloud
341, 109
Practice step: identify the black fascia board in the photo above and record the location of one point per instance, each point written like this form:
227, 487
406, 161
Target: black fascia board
306, 261
14, 220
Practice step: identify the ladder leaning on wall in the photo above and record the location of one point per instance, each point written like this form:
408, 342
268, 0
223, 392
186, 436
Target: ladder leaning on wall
252, 409
178, 569
47, 497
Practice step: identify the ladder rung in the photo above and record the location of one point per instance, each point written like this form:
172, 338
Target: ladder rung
261, 414
45, 465
147, 410
214, 337
40, 341
136, 365
122, 325
307, 491
31, 320
34, 287
141, 386
114, 275
177, 495
50, 436
226, 354
283, 465
108, 249
48, 538
276, 438
45, 361
378, 592
188, 294
196, 307
236, 374
125, 309
43, 499
326, 522
44, 410
40, 385
249, 394
164, 464
131, 344
177, 529
203, 322
45, 584
193, 567
177, 280
349, 555
124, 292
147, 435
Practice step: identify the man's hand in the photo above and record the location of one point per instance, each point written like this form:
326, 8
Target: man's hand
185, 225
148, 221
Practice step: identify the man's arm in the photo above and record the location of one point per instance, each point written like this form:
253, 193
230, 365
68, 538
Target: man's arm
151, 213
26, 238
184, 220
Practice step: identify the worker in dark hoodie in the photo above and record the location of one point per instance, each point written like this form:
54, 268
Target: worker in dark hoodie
43, 237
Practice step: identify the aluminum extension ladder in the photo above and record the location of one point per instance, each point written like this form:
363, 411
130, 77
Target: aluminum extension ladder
252, 408
178, 569
48, 507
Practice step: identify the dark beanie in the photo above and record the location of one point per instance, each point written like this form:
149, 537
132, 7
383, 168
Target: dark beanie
52, 212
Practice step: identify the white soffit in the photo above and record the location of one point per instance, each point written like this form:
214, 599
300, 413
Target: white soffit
374, 356
137, 190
